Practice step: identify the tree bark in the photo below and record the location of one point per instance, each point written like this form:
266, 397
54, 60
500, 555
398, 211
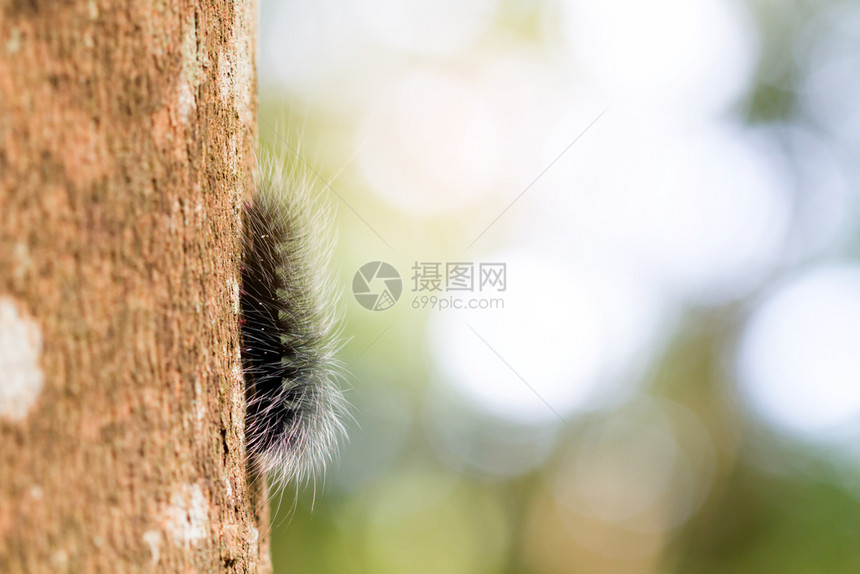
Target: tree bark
127, 133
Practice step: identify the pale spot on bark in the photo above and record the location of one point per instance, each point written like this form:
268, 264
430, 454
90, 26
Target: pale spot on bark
152, 538
14, 43
235, 294
233, 151
191, 74
187, 518
20, 349
236, 66
199, 405
60, 560
22, 263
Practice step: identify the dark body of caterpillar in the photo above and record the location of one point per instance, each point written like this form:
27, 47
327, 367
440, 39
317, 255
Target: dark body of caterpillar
288, 330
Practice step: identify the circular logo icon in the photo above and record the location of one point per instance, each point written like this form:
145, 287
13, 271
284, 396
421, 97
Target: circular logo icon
377, 286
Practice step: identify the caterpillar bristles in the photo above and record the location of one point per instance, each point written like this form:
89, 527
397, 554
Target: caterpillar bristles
289, 326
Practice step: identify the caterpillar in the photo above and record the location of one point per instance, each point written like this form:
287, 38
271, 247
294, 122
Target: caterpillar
288, 324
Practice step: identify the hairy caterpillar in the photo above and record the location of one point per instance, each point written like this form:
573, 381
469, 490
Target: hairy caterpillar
288, 326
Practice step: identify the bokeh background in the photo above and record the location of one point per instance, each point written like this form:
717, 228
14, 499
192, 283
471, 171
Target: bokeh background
673, 384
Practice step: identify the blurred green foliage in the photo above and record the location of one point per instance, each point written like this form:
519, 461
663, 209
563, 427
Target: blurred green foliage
396, 502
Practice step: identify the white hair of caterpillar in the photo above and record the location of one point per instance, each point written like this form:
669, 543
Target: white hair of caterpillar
289, 325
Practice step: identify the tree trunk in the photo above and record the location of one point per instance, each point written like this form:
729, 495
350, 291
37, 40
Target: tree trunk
127, 133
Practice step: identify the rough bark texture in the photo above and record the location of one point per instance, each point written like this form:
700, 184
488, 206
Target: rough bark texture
126, 151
